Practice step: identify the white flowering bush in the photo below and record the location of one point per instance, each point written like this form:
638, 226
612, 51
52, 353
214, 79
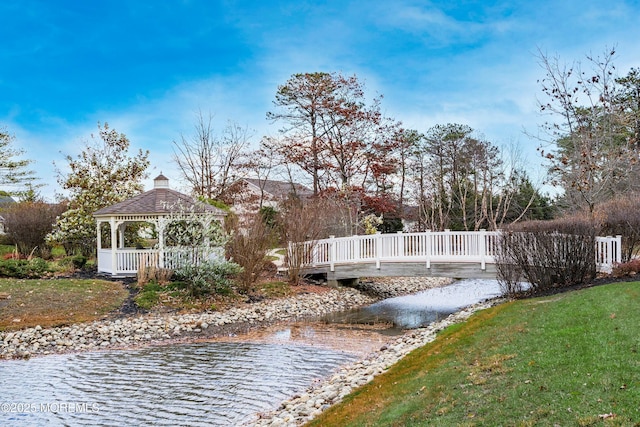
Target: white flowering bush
102, 175
371, 222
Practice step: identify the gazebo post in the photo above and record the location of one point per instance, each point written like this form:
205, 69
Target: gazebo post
114, 244
160, 228
99, 236
98, 241
121, 227
206, 223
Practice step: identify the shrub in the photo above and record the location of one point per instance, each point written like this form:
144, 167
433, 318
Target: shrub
621, 216
66, 264
5, 240
248, 247
24, 269
11, 255
154, 274
79, 261
28, 223
269, 216
627, 268
72, 263
150, 273
547, 254
208, 277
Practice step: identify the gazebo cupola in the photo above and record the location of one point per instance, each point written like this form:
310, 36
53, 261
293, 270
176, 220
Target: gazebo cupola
157, 207
161, 181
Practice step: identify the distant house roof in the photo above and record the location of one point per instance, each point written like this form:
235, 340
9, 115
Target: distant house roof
160, 200
280, 189
6, 200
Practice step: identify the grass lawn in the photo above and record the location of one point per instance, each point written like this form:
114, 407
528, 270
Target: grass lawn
6, 249
566, 360
56, 302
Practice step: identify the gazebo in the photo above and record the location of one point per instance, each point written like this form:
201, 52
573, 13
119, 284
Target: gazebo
158, 208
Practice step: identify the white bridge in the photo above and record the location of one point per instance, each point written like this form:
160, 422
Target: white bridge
457, 254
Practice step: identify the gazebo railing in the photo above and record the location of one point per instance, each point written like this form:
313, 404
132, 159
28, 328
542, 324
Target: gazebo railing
129, 260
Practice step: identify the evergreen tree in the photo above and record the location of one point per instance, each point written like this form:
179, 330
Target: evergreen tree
14, 172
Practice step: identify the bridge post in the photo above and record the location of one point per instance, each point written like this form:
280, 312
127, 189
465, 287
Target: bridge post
428, 241
447, 242
378, 248
332, 253
483, 248
610, 253
400, 245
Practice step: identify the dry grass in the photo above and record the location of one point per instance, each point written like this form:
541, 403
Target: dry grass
27, 303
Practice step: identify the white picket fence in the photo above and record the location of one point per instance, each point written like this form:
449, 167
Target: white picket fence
428, 247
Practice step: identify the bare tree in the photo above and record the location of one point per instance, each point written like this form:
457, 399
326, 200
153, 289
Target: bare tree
248, 248
590, 159
300, 223
261, 163
208, 161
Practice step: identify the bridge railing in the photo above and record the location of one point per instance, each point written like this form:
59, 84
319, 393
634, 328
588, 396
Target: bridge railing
431, 246
608, 252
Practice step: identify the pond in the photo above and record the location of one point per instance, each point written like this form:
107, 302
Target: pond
213, 383
200, 384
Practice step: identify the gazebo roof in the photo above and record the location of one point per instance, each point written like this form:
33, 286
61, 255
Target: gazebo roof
158, 201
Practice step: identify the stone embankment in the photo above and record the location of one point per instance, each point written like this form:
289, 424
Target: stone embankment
389, 287
308, 405
149, 329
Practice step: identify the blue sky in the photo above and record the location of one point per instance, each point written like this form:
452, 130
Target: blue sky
148, 66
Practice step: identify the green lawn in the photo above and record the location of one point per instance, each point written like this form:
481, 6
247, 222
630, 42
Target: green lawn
565, 360
6, 249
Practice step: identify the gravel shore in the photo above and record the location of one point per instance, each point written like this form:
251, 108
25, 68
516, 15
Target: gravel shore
152, 329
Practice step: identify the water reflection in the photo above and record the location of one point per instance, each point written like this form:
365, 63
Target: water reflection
189, 385
421, 309
356, 339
